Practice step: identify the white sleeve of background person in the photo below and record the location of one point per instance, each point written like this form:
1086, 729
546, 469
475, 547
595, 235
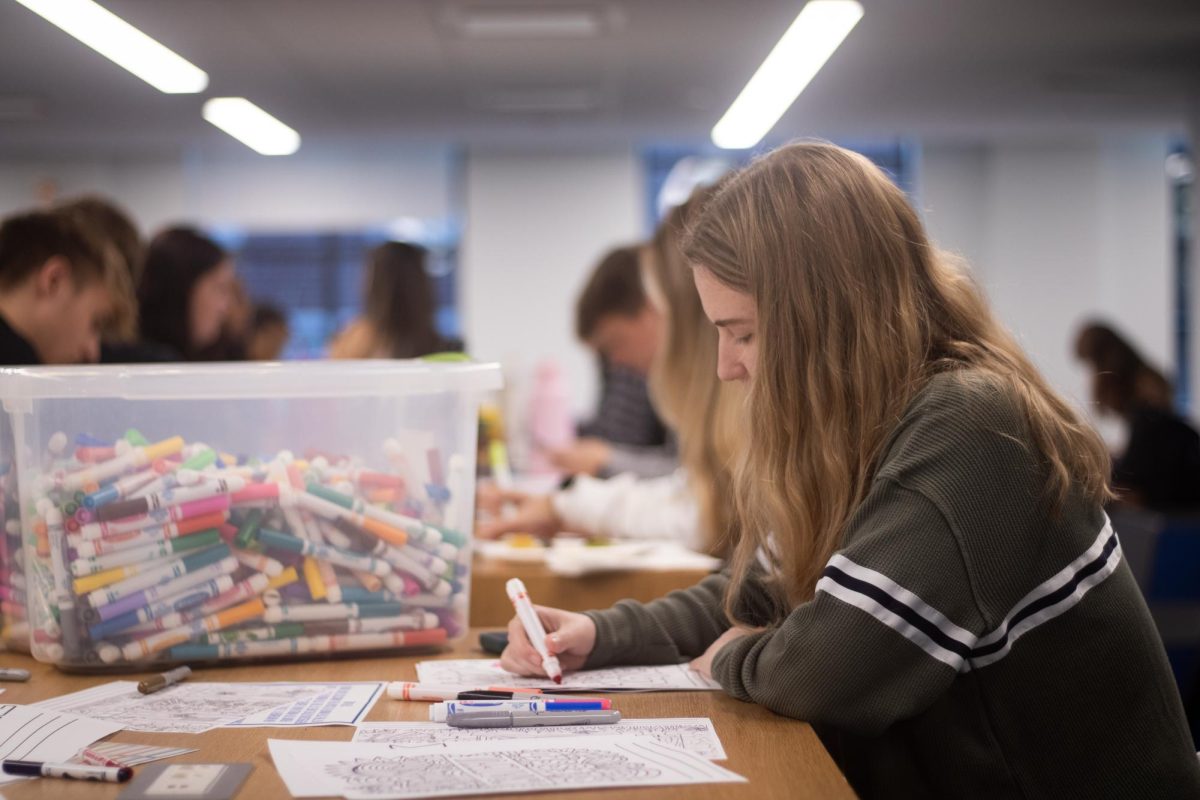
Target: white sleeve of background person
627, 507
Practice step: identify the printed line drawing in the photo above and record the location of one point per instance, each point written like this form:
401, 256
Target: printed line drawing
693, 734
486, 672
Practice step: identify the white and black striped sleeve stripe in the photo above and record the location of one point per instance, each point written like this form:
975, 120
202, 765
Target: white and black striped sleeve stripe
929, 629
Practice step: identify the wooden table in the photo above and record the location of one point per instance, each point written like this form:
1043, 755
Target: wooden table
490, 607
783, 758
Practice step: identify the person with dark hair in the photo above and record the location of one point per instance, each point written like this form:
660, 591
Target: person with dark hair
268, 333
613, 316
615, 319
185, 292
398, 308
56, 290
1160, 466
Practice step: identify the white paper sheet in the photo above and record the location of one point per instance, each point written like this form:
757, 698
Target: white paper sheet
188, 707
471, 672
355, 770
29, 733
334, 704
694, 734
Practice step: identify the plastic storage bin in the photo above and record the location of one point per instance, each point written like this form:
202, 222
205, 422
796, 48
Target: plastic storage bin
14, 627
198, 513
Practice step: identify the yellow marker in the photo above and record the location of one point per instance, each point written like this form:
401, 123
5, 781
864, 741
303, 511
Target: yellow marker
312, 576
284, 578
137, 457
90, 583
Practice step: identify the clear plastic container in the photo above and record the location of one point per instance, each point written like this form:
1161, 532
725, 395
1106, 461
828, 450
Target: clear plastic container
201, 513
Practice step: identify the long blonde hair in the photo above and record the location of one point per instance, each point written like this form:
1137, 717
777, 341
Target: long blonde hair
856, 312
683, 380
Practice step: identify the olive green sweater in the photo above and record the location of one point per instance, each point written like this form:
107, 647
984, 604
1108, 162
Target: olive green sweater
965, 641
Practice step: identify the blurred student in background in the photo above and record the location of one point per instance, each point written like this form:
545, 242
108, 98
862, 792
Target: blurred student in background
186, 292
235, 328
109, 227
614, 318
56, 290
692, 505
398, 309
1159, 468
269, 333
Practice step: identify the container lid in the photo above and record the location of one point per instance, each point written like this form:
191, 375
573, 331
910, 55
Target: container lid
275, 379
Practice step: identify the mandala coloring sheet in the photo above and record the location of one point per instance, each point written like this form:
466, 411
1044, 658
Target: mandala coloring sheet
487, 672
190, 707
358, 771
693, 734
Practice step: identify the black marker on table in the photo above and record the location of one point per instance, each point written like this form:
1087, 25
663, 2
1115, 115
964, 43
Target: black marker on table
81, 772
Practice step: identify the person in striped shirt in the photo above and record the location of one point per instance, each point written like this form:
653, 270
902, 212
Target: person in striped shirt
926, 573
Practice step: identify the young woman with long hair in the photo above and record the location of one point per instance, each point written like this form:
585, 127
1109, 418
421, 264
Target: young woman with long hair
398, 308
925, 571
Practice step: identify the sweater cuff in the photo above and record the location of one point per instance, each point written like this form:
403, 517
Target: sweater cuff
615, 641
728, 662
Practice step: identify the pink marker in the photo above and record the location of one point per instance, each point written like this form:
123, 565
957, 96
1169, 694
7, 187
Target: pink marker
256, 492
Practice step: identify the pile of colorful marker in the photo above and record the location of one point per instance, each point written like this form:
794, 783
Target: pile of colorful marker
14, 627
174, 551
504, 707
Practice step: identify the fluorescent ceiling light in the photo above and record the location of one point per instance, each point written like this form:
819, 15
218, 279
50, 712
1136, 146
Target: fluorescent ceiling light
120, 42
805, 47
528, 22
252, 126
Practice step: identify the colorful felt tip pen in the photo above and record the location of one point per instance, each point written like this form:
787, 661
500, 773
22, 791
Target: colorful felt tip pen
90, 756
491, 718
82, 772
431, 693
438, 712
533, 627
164, 679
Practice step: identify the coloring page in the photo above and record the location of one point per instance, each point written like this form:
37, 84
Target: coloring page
334, 704
693, 734
189, 707
479, 672
358, 770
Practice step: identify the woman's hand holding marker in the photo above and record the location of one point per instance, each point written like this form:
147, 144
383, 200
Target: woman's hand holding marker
570, 637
